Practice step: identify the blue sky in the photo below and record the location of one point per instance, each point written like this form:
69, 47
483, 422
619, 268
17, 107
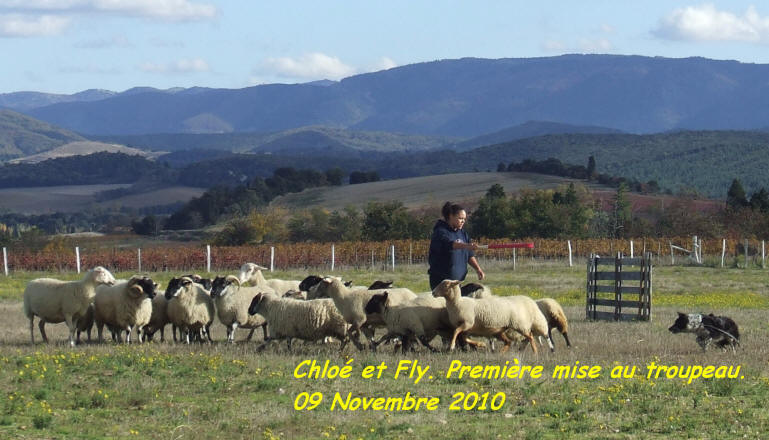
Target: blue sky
65, 46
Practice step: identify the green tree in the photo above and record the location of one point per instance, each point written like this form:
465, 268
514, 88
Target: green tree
620, 214
387, 221
735, 197
591, 171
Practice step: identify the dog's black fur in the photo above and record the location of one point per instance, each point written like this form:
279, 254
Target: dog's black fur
721, 330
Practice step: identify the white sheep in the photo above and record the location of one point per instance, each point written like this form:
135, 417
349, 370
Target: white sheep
57, 301
251, 272
309, 320
421, 318
232, 304
124, 306
190, 308
352, 302
556, 318
489, 317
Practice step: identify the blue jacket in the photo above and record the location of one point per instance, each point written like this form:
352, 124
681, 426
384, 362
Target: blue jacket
445, 262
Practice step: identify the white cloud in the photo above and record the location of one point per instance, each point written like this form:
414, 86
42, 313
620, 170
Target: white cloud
595, 45
119, 41
193, 65
170, 10
706, 23
553, 46
384, 63
18, 25
309, 66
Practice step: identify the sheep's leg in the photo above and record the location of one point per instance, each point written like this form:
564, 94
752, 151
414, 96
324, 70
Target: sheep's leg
264, 332
163, 334
99, 332
72, 328
250, 334
530, 338
231, 333
457, 331
208, 332
506, 339
566, 337
549, 342
32, 328
426, 342
128, 331
41, 326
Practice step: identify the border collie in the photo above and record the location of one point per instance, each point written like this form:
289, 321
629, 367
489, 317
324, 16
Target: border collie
720, 330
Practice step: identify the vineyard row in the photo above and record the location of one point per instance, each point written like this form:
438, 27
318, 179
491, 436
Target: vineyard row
350, 254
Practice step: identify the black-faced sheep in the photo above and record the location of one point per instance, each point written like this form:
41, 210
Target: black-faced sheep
124, 306
232, 304
309, 320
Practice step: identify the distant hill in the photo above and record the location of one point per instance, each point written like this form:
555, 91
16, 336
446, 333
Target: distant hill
419, 192
527, 130
21, 135
464, 98
81, 148
23, 101
705, 161
303, 140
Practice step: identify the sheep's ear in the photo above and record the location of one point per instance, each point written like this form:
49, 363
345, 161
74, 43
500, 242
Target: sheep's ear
348, 283
385, 295
233, 279
186, 281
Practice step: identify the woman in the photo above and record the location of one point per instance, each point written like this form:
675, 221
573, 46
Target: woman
450, 247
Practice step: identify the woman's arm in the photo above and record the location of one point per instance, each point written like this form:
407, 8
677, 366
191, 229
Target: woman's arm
474, 264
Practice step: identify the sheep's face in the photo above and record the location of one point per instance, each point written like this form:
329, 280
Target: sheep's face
102, 276
447, 289
174, 287
377, 303
256, 304
148, 286
221, 286
378, 285
248, 270
309, 282
470, 288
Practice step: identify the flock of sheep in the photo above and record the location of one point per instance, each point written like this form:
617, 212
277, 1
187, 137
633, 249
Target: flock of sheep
312, 309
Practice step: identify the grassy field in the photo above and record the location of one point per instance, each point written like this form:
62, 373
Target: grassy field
173, 391
433, 191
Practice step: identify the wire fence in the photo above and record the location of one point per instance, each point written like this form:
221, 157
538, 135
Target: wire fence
378, 255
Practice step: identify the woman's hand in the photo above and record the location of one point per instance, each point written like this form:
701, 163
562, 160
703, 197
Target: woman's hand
480, 273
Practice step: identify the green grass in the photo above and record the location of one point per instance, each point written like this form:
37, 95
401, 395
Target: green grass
163, 390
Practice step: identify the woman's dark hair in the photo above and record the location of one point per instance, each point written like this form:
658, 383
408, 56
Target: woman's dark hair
450, 209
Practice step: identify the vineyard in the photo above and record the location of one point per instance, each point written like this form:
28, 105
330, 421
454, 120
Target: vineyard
352, 254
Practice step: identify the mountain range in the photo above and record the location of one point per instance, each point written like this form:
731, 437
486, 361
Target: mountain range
459, 98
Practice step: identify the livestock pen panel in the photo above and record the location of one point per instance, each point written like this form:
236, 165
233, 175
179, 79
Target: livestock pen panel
619, 289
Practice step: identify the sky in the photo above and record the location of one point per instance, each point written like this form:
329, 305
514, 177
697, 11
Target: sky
66, 46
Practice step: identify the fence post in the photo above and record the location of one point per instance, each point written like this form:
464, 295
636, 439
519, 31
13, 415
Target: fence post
5, 261
631, 249
140, 259
208, 258
763, 253
272, 258
570, 260
392, 254
672, 259
723, 251
746, 253
513, 258
77, 258
411, 251
333, 257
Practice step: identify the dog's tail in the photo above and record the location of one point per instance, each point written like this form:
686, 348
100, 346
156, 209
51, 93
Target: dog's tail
734, 336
